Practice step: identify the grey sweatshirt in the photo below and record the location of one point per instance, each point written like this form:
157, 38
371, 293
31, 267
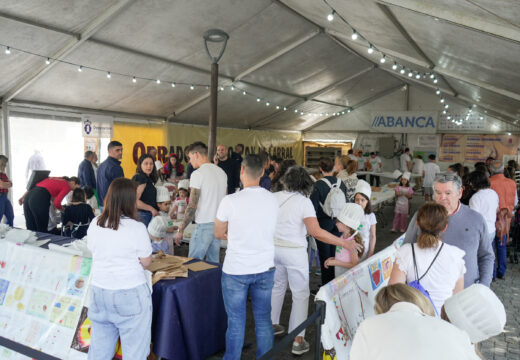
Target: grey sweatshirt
467, 230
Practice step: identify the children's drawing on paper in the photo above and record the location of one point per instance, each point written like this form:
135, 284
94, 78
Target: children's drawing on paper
66, 311
40, 303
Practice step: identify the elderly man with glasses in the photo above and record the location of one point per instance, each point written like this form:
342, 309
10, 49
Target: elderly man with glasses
467, 230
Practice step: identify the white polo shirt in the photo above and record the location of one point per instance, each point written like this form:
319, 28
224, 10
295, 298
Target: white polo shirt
212, 182
251, 215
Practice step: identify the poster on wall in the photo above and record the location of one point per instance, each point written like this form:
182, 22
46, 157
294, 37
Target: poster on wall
97, 126
404, 122
350, 299
42, 294
474, 148
427, 141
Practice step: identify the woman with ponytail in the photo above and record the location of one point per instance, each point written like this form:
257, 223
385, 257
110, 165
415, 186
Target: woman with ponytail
438, 267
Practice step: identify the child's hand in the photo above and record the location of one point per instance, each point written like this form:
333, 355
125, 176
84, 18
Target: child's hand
329, 262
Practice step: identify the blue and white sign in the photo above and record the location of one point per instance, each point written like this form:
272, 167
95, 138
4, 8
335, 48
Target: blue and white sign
97, 126
404, 122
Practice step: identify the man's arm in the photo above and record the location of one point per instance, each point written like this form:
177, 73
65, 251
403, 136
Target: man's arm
221, 229
116, 172
486, 256
411, 233
189, 214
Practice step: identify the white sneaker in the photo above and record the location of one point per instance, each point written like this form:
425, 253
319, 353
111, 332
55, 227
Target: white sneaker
299, 349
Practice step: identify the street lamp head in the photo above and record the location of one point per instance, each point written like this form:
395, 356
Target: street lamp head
216, 37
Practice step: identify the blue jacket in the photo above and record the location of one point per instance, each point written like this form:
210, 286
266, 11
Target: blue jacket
108, 171
86, 174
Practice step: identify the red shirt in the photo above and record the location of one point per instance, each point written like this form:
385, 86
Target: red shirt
3, 177
506, 190
57, 187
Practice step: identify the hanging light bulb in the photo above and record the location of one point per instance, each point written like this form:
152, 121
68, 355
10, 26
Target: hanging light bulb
302, 113
354, 35
342, 113
257, 99
417, 76
7, 50
277, 107
295, 110
438, 91
370, 49
284, 108
435, 81
410, 74
134, 80
108, 75
192, 87
48, 61
222, 88
383, 59
394, 67
449, 117
267, 103
444, 112
446, 106
173, 84
80, 68
157, 81
402, 70
442, 100
244, 93
232, 87
349, 110
330, 17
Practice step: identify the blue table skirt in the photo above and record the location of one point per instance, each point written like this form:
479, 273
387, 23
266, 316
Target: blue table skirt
189, 318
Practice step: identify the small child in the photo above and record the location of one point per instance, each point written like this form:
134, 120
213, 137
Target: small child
157, 231
349, 223
404, 193
163, 203
362, 196
91, 198
182, 200
77, 216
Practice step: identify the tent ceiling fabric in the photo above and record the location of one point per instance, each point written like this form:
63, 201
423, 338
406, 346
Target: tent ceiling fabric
284, 52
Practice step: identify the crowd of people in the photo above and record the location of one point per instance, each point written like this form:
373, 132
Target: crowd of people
266, 208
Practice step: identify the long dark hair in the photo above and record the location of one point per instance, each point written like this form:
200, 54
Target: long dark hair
179, 169
276, 184
74, 179
119, 201
153, 176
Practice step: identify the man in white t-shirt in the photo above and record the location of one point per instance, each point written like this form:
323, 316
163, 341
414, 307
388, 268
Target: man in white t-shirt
376, 167
208, 186
418, 168
431, 169
405, 160
247, 220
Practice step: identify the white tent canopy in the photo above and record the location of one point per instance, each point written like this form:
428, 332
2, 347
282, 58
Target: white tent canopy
282, 54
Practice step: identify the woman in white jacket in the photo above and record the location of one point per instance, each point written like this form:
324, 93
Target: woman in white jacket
296, 218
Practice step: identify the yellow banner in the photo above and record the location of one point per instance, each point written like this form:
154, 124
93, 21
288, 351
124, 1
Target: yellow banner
137, 140
474, 148
174, 138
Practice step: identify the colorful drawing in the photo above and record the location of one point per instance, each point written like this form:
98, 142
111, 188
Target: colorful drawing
4, 285
17, 297
376, 274
75, 264
387, 267
66, 311
40, 303
76, 284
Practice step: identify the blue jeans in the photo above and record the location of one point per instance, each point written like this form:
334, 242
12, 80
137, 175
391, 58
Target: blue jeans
6, 208
204, 244
145, 216
501, 258
234, 291
120, 313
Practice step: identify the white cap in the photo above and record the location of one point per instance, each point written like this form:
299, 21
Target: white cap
162, 194
157, 227
396, 174
478, 311
351, 215
407, 175
364, 188
184, 184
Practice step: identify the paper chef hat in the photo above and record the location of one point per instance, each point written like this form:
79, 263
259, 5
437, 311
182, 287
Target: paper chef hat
351, 215
396, 174
184, 184
364, 188
162, 194
157, 227
406, 175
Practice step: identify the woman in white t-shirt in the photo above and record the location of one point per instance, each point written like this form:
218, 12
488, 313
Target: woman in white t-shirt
439, 267
121, 303
484, 200
296, 218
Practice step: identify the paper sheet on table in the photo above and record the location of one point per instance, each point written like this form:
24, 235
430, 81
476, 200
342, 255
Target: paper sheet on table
200, 266
167, 262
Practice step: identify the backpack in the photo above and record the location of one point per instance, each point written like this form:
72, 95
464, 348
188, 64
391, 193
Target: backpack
335, 199
416, 283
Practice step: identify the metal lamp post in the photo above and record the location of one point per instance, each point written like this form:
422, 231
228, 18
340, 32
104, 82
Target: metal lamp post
215, 37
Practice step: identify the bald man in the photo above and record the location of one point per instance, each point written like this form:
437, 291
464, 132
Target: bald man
229, 166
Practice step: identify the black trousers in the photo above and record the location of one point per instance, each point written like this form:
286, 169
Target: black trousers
36, 206
326, 251
376, 177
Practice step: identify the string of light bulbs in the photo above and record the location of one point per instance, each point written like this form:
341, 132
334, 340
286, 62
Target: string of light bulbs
192, 86
396, 66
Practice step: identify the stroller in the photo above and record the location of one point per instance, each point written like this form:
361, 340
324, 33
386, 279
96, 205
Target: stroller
513, 247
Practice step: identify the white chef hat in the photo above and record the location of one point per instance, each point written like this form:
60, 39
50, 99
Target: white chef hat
157, 227
364, 188
351, 215
407, 175
396, 174
184, 184
162, 194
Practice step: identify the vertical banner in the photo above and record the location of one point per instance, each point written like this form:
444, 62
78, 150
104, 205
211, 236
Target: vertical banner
138, 140
350, 299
